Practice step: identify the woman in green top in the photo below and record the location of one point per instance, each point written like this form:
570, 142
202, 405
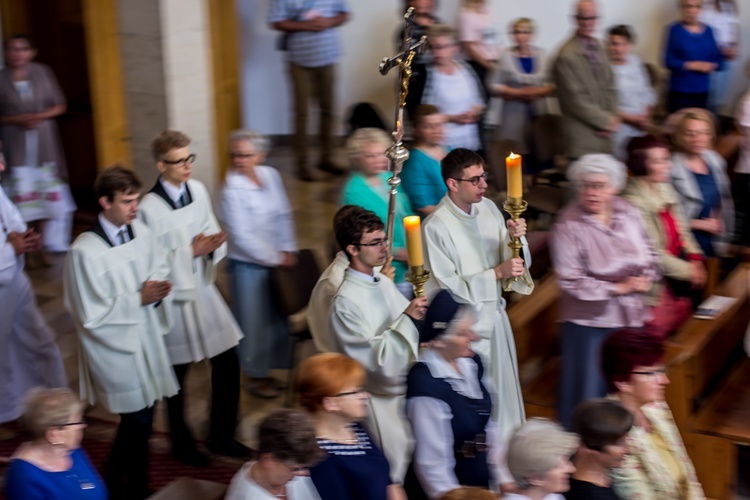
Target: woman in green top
367, 187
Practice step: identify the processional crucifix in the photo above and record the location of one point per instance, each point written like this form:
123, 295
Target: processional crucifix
397, 154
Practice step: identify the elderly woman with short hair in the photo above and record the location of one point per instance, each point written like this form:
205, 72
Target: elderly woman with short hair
539, 459
52, 465
258, 219
657, 464
287, 448
605, 264
699, 175
367, 187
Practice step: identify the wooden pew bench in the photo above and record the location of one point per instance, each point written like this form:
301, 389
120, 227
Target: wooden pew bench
707, 368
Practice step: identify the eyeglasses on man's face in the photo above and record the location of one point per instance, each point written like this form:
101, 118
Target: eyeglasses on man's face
182, 161
474, 180
374, 243
355, 392
656, 372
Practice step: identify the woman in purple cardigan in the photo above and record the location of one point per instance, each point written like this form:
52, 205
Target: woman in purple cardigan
605, 264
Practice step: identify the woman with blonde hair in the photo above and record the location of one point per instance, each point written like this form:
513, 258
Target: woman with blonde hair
330, 387
699, 175
367, 187
52, 465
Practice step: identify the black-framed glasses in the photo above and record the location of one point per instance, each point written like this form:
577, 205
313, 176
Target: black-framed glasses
652, 373
242, 156
374, 243
350, 393
474, 180
71, 424
182, 161
587, 18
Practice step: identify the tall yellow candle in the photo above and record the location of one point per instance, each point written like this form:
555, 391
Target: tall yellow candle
412, 225
515, 176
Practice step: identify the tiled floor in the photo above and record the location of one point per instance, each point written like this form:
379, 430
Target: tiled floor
314, 205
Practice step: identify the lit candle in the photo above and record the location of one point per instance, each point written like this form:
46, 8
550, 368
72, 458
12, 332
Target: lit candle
515, 176
414, 240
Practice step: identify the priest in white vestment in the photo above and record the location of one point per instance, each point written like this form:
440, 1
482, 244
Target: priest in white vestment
116, 290
375, 324
178, 211
466, 251
29, 356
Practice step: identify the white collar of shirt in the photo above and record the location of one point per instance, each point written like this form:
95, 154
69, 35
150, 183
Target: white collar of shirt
173, 191
472, 212
236, 179
112, 231
360, 275
464, 383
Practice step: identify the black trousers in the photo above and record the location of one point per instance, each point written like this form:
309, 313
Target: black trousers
126, 471
680, 100
225, 396
741, 192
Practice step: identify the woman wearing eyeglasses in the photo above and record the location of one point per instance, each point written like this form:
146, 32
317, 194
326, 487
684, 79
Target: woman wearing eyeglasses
52, 465
258, 219
367, 187
657, 465
330, 387
605, 265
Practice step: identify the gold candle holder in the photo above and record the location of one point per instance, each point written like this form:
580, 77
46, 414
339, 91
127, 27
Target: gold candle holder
418, 276
515, 207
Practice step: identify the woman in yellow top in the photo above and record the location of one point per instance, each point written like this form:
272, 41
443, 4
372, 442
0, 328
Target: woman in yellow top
657, 465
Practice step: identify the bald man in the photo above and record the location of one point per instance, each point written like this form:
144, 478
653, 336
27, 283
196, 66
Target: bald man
586, 87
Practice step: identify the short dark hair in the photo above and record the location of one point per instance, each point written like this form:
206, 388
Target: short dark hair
422, 111
116, 179
289, 435
627, 348
601, 422
638, 149
454, 163
351, 222
624, 31
21, 36
166, 142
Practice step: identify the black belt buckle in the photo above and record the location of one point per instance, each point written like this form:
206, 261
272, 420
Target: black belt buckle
478, 445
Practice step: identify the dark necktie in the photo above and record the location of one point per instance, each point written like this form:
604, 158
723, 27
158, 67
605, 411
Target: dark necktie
123, 236
182, 201
592, 52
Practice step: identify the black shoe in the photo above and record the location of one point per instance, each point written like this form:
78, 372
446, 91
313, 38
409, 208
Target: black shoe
230, 448
327, 166
192, 457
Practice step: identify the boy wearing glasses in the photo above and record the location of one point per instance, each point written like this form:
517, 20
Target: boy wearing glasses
466, 250
375, 324
178, 211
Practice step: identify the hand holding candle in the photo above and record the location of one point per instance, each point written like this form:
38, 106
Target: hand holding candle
412, 224
515, 176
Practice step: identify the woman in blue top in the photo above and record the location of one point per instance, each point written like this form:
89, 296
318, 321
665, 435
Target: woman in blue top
329, 386
367, 187
691, 55
422, 178
700, 178
52, 464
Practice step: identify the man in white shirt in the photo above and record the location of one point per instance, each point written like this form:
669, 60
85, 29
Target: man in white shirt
116, 289
178, 211
375, 324
29, 356
466, 247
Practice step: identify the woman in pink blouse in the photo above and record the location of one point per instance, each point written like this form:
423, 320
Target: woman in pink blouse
605, 265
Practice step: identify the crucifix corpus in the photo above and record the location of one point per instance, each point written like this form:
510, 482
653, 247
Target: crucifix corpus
397, 154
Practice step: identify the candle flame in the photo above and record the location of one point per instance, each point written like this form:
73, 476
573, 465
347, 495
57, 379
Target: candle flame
513, 155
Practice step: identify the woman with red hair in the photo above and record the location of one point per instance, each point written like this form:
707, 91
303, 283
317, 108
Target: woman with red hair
657, 465
330, 387
680, 257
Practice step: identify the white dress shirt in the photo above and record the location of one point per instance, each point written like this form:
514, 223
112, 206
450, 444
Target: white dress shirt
434, 460
174, 192
258, 220
113, 232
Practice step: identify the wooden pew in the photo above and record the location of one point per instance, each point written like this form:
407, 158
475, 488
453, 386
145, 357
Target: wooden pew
706, 364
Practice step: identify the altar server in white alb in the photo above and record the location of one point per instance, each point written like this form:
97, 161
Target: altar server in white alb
116, 289
178, 211
29, 356
466, 241
375, 324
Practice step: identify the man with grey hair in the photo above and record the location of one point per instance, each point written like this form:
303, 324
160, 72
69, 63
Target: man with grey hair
178, 211
586, 87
